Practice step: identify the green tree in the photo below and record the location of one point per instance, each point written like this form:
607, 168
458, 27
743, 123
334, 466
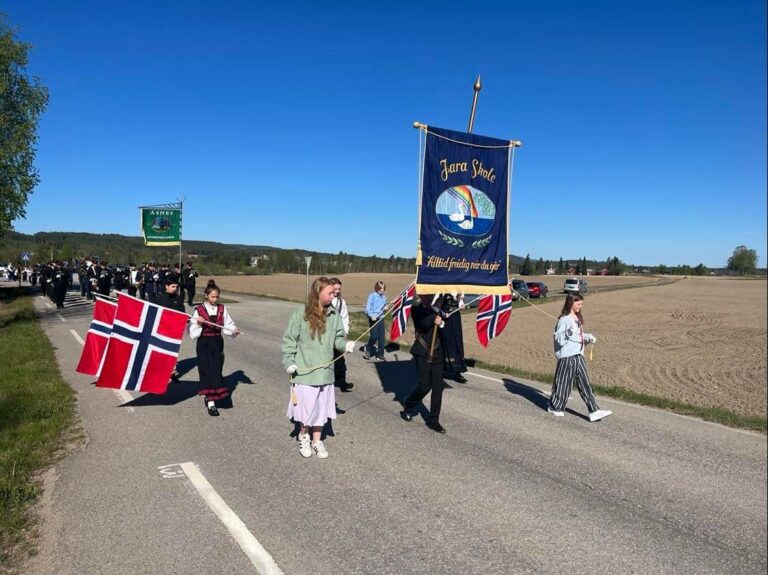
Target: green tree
701, 270
560, 268
743, 261
525, 269
22, 102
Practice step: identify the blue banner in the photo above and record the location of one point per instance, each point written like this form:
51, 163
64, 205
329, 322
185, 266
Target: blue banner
463, 224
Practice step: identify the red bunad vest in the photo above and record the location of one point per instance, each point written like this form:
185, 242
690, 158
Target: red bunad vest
209, 330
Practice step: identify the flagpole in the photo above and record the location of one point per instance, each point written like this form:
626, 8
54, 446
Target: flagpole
477, 87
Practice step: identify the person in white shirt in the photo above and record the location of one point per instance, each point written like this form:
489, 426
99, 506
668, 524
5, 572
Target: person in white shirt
570, 340
340, 365
210, 345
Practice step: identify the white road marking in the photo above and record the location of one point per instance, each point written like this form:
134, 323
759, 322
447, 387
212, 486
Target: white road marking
61, 317
49, 304
259, 556
497, 380
77, 337
125, 397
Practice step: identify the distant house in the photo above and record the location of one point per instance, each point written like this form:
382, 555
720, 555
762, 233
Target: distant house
256, 259
571, 271
604, 272
590, 272
550, 271
192, 256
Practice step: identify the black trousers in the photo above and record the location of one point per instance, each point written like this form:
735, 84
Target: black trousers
190, 295
429, 378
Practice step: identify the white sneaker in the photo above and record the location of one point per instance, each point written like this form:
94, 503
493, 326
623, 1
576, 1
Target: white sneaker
305, 449
599, 414
555, 413
320, 450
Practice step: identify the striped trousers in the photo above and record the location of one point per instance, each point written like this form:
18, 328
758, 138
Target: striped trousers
568, 369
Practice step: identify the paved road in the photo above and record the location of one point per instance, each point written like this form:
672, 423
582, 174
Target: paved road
509, 489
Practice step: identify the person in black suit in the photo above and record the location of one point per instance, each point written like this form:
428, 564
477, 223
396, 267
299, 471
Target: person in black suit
429, 367
188, 279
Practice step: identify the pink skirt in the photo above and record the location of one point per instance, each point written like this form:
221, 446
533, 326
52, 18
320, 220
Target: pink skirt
315, 404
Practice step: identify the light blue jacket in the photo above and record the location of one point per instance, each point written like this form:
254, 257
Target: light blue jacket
375, 305
569, 337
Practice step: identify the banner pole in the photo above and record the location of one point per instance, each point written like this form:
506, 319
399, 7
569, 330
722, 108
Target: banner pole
477, 88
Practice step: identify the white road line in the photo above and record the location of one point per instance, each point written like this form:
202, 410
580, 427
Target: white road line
125, 397
49, 304
256, 553
61, 317
497, 380
77, 337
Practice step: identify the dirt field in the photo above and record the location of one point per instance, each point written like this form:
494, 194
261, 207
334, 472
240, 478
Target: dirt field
698, 340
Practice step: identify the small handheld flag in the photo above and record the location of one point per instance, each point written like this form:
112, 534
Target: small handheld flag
401, 310
493, 313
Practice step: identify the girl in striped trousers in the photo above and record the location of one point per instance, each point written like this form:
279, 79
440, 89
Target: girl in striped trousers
570, 340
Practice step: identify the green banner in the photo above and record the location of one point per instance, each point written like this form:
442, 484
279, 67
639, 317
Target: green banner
161, 226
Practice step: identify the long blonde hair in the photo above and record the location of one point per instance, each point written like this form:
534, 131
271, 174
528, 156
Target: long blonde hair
314, 311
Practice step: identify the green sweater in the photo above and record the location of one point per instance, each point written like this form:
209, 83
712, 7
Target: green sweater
307, 353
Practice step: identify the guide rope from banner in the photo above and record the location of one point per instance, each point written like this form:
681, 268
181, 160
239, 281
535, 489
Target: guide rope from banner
387, 309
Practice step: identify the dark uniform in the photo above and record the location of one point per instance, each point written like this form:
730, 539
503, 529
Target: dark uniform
429, 370
188, 278
453, 338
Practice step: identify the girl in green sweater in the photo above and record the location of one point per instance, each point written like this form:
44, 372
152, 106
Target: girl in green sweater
313, 333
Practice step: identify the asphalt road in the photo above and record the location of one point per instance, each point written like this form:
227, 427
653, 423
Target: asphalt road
509, 488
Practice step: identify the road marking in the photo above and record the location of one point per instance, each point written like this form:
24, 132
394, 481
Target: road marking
497, 380
77, 337
125, 397
259, 556
61, 317
172, 471
49, 304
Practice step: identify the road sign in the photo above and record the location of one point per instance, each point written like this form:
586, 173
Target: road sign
25, 256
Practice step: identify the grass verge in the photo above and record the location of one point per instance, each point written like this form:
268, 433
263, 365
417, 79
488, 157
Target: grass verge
714, 414
36, 417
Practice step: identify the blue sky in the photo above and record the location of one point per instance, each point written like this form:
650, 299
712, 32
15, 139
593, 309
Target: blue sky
289, 124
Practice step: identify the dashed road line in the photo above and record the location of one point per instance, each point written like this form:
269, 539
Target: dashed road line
259, 556
61, 317
77, 337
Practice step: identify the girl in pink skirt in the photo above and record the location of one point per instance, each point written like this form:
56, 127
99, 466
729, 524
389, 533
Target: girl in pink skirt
313, 332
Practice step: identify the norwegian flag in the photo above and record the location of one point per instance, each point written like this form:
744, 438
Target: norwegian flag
401, 310
97, 338
143, 347
493, 312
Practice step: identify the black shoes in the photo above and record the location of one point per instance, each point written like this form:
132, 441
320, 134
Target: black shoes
435, 426
345, 386
460, 378
213, 411
407, 415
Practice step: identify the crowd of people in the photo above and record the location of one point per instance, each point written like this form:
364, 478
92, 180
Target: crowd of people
315, 341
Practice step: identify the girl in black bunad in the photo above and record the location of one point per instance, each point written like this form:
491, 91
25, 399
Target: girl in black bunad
210, 345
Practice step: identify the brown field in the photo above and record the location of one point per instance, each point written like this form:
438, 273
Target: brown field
701, 341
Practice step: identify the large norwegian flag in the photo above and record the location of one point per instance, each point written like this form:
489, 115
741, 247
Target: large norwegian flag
493, 312
97, 338
401, 310
144, 346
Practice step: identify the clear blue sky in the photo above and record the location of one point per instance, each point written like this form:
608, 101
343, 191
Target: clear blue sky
289, 124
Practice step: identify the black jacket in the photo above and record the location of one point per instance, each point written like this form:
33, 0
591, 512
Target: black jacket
171, 301
424, 321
